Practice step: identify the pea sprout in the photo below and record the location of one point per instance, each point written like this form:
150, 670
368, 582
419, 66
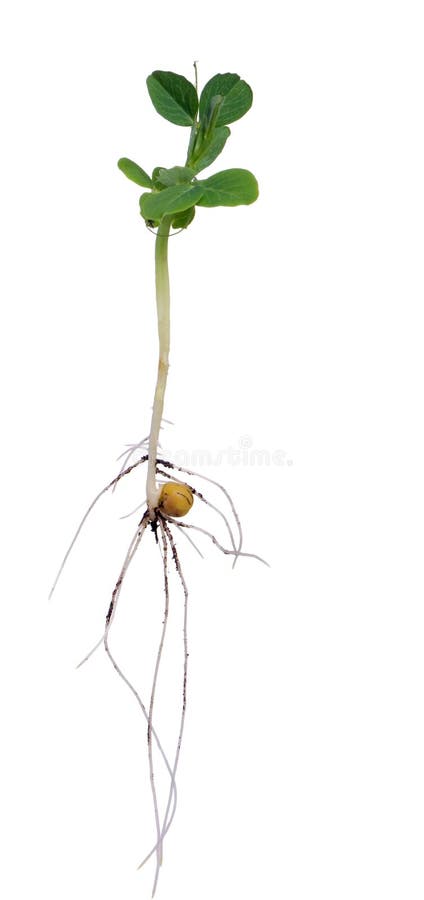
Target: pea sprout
168, 206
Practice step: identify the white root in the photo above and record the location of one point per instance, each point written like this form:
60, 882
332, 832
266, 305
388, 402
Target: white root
173, 785
118, 587
167, 541
167, 534
87, 513
188, 538
159, 849
216, 542
161, 832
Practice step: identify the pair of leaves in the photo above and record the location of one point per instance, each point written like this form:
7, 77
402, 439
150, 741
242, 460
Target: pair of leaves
231, 187
175, 98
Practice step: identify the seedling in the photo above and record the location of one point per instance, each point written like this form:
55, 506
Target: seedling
168, 205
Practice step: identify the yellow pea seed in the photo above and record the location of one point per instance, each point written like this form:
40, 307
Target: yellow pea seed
175, 499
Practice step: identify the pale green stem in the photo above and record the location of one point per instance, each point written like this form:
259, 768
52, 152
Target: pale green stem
162, 307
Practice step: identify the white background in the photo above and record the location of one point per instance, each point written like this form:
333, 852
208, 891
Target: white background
297, 330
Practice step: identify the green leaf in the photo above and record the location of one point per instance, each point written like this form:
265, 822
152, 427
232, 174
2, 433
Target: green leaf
237, 98
173, 96
134, 172
229, 188
183, 219
168, 177
212, 149
171, 200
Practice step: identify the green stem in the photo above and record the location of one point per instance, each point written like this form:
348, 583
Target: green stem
162, 307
